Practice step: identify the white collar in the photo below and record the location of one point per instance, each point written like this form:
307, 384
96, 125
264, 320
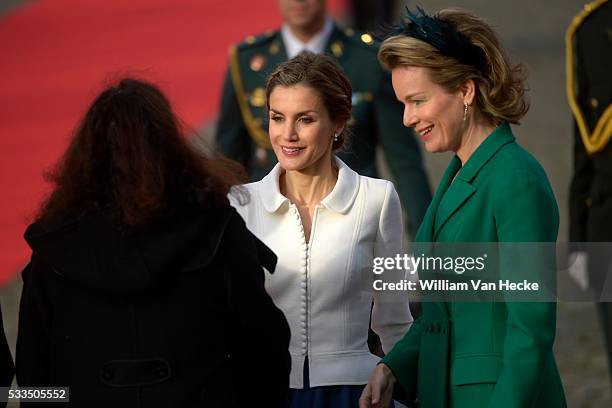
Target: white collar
294, 46
339, 199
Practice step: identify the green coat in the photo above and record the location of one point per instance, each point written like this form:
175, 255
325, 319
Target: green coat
485, 354
376, 116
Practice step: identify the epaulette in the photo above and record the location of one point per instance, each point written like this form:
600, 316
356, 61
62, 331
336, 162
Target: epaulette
361, 39
252, 123
601, 135
254, 41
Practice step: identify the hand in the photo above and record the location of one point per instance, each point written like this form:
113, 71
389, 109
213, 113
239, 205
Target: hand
379, 390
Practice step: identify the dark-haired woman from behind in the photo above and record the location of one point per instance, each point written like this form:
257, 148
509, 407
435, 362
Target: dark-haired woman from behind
144, 283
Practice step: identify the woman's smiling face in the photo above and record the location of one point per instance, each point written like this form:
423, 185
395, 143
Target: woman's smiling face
301, 131
435, 114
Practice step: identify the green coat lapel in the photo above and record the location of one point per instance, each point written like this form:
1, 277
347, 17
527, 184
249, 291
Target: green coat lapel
426, 231
458, 192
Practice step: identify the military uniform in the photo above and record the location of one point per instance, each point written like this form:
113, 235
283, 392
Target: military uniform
376, 116
589, 87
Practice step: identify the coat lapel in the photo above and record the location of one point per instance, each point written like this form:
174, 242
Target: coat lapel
426, 231
457, 193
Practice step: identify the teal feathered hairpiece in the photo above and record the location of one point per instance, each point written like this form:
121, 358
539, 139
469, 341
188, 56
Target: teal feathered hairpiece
439, 34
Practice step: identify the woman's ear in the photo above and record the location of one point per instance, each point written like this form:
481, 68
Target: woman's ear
339, 128
468, 91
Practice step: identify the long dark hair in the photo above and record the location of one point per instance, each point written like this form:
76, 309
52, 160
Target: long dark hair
129, 153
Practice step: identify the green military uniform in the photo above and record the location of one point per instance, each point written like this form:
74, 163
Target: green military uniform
589, 88
376, 117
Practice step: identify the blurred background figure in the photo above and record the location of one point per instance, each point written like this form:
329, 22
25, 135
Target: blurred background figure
144, 283
589, 89
376, 117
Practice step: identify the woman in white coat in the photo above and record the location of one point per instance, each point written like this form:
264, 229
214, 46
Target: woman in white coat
326, 224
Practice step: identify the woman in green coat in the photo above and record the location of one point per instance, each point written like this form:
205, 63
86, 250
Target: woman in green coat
460, 93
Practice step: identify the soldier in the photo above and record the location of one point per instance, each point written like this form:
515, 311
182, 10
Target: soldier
589, 89
242, 127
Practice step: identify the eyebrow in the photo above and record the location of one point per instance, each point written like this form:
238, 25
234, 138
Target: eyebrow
298, 114
412, 95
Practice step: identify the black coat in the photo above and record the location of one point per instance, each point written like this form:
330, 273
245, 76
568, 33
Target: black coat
169, 316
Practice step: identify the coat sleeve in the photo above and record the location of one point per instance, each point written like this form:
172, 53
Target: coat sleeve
261, 333
232, 138
391, 316
530, 328
33, 336
403, 155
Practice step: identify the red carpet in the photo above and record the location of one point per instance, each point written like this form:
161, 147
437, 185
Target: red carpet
57, 55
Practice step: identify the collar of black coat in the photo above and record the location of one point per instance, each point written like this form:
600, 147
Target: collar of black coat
91, 251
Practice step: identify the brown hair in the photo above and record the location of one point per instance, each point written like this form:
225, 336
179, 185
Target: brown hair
501, 86
325, 76
129, 153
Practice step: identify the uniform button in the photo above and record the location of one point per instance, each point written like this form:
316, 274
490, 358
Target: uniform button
594, 103
304, 344
303, 330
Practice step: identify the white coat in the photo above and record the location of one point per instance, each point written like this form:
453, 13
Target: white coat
324, 287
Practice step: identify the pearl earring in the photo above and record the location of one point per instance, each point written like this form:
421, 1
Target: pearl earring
335, 137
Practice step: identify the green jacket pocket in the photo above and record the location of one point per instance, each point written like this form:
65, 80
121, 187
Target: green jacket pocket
476, 369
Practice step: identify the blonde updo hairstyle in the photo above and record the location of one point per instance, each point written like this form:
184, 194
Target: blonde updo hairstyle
326, 77
500, 85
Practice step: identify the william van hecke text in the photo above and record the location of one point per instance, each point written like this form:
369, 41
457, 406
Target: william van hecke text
448, 285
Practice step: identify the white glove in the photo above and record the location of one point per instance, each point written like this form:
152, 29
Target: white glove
578, 262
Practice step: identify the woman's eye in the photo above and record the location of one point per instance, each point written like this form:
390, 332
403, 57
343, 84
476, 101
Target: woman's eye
276, 118
306, 119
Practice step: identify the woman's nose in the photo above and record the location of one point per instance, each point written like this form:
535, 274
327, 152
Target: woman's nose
409, 118
290, 131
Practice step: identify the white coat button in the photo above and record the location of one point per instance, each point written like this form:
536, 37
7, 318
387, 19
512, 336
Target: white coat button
303, 285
